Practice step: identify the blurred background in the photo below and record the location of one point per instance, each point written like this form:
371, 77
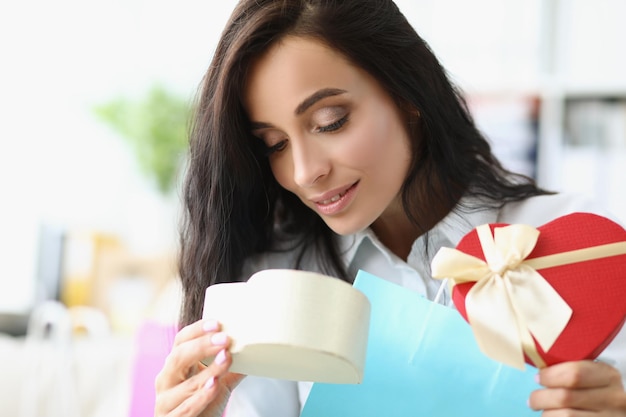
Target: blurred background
94, 98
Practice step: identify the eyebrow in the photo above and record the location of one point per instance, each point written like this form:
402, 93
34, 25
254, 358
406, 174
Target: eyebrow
317, 96
305, 104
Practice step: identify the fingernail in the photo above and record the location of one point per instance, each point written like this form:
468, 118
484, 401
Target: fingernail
209, 383
537, 378
219, 338
221, 357
210, 325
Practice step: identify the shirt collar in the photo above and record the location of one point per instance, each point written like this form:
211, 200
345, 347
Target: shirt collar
463, 220
451, 229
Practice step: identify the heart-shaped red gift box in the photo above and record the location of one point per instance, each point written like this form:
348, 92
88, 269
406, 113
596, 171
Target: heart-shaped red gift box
594, 289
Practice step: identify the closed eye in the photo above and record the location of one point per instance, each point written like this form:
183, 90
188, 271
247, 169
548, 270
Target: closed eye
333, 126
269, 150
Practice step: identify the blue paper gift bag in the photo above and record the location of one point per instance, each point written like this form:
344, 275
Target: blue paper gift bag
422, 360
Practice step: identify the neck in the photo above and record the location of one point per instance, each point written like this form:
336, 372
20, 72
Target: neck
394, 229
397, 233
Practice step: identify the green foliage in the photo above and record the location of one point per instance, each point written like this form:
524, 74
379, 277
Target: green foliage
156, 129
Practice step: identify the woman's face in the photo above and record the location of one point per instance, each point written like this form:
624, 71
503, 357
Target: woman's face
335, 138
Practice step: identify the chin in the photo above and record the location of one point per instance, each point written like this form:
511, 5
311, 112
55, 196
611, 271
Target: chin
345, 228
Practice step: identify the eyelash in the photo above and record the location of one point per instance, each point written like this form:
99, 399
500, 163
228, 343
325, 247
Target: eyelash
275, 148
333, 126
269, 150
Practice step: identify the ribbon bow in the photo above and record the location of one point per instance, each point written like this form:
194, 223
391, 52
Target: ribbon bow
511, 302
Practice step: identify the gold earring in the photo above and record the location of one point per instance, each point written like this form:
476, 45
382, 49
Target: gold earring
414, 116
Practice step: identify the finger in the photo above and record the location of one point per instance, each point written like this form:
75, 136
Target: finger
195, 405
213, 385
184, 359
195, 393
191, 405
195, 330
579, 374
587, 399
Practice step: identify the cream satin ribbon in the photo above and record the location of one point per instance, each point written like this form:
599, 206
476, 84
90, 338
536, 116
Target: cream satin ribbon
511, 302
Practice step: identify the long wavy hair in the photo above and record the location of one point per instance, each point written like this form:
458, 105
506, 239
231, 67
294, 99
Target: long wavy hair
234, 207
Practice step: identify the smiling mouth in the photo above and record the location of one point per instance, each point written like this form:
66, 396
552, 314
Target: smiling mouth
335, 198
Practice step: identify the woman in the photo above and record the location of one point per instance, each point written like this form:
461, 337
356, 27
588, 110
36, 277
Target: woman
328, 137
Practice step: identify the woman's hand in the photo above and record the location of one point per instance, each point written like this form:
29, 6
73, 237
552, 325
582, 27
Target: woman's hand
583, 388
186, 387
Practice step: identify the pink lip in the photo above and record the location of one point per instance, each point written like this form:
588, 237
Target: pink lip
347, 195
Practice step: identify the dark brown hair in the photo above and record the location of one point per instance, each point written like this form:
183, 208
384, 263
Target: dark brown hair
233, 206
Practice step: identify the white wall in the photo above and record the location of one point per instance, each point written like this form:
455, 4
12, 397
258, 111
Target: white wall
59, 166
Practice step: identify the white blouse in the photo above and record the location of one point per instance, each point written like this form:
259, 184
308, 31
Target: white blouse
264, 397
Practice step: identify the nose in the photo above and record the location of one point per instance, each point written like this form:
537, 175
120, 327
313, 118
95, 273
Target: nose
310, 162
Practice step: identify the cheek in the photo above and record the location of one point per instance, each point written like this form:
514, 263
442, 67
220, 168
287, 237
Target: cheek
365, 156
378, 140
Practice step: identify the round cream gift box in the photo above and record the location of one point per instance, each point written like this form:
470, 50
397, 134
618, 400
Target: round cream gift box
294, 325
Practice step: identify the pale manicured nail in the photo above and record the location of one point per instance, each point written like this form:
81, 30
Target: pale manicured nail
219, 338
221, 357
209, 383
210, 325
